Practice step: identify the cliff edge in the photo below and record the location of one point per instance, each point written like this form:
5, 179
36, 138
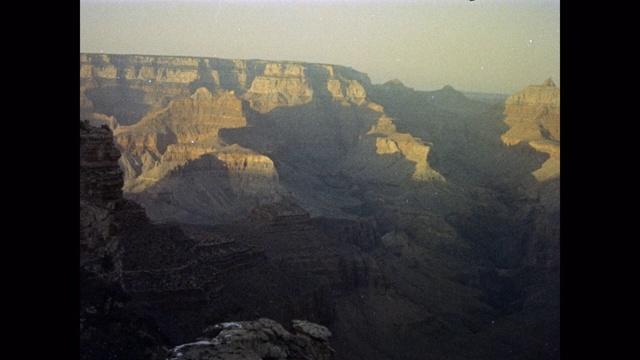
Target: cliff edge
533, 117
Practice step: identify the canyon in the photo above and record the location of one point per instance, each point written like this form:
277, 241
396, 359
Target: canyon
266, 198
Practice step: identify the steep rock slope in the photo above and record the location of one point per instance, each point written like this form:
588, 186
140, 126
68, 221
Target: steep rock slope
144, 287
390, 142
420, 287
174, 159
533, 116
510, 210
216, 137
100, 198
463, 259
126, 87
107, 328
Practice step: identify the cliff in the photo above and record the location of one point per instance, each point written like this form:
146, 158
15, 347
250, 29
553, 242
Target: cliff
129, 86
145, 286
106, 325
533, 117
188, 129
286, 190
100, 199
191, 129
389, 141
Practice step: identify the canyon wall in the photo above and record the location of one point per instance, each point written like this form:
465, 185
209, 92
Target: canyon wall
129, 86
285, 190
533, 116
204, 140
105, 323
146, 288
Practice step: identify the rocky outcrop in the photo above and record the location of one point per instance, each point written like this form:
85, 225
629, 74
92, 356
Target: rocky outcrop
304, 192
260, 339
131, 268
127, 87
169, 115
279, 85
386, 157
291, 84
101, 183
389, 141
107, 328
533, 116
186, 130
181, 143
148, 83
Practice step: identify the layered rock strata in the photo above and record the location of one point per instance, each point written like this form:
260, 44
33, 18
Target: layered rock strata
181, 142
144, 286
406, 264
185, 131
128, 86
389, 141
168, 113
533, 116
349, 277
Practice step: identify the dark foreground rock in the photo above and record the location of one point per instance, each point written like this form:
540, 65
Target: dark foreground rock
256, 340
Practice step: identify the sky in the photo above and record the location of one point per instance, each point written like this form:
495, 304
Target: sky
491, 46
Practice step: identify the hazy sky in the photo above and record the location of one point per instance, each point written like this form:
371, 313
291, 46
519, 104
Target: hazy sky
495, 46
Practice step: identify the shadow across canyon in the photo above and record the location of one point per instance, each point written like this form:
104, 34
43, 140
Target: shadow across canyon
120, 100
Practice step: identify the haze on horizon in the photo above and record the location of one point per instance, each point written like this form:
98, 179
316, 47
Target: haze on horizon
491, 46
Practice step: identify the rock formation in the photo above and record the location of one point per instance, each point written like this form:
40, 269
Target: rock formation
100, 198
259, 339
107, 328
129, 86
388, 141
533, 116
170, 114
279, 85
180, 144
398, 220
145, 286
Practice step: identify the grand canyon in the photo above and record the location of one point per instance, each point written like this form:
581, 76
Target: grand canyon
257, 209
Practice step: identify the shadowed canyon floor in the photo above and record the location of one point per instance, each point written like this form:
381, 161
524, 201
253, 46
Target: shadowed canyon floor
404, 224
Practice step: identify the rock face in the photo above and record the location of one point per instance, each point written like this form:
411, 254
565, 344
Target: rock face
179, 148
100, 198
259, 339
389, 141
399, 219
132, 271
202, 128
129, 86
533, 115
107, 328
279, 85
184, 131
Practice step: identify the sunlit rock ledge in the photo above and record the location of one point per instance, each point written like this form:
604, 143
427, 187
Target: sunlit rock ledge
533, 117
